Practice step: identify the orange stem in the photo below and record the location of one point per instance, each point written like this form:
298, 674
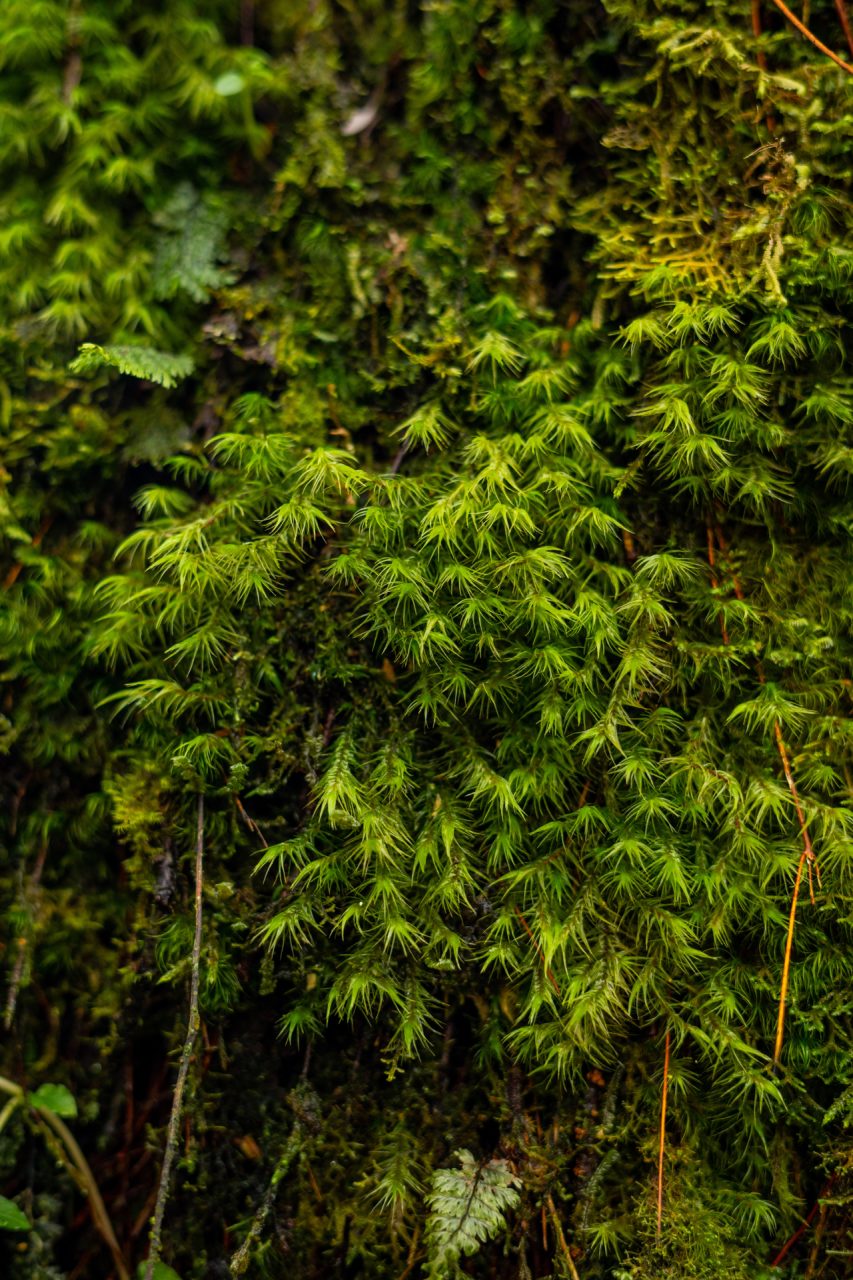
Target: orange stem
803, 30
786, 964
792, 787
807, 857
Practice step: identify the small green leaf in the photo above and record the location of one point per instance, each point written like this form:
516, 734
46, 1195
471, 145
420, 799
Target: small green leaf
229, 84
55, 1098
11, 1218
161, 1272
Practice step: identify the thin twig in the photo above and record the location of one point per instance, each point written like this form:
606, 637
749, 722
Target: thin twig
811, 1266
806, 858
74, 63
724, 547
662, 1139
250, 822
841, 10
14, 573
804, 831
714, 581
155, 1243
240, 1261
786, 963
414, 1257
761, 56
803, 30
398, 458
561, 1239
30, 896
803, 1227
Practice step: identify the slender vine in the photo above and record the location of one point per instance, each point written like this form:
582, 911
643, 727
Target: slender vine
193, 1023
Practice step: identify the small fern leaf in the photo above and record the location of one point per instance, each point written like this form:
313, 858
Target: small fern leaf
139, 362
467, 1206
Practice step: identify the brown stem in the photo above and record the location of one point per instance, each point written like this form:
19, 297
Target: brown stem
561, 1239
74, 63
144, 1215
841, 10
13, 574
724, 547
714, 580
18, 970
803, 30
250, 822
155, 1243
662, 1137
811, 1265
541, 954
803, 1227
414, 1257
761, 58
247, 22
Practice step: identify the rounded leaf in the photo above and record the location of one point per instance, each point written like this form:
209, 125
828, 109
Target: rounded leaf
11, 1217
55, 1098
229, 84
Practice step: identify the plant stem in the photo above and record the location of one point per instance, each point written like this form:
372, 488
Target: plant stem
662, 1139
99, 1211
561, 1239
31, 903
841, 10
803, 30
786, 964
155, 1243
541, 954
806, 857
804, 1225
8, 1111
70, 1154
240, 1261
761, 59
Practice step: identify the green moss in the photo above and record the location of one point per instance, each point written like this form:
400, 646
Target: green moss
425, 432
